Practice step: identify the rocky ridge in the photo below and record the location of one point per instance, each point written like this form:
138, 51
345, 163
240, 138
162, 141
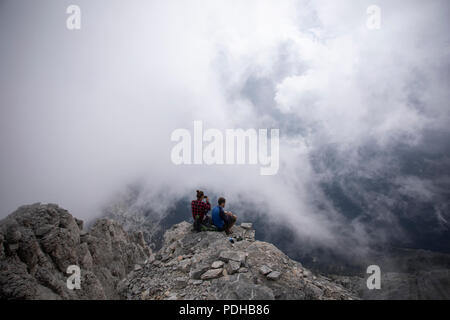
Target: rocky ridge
38, 242
207, 265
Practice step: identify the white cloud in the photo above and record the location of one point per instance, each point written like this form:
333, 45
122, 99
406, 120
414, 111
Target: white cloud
85, 113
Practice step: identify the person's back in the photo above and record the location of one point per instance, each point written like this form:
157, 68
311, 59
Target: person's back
199, 210
217, 217
222, 219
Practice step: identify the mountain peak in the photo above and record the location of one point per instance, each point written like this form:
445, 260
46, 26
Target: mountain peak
207, 265
39, 242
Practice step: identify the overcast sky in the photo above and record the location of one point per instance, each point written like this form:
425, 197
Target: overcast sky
85, 112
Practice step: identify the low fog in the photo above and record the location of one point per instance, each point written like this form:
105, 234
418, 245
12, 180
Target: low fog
84, 113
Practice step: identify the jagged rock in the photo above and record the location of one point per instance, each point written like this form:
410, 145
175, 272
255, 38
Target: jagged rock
198, 271
230, 255
246, 225
38, 242
307, 274
217, 264
151, 259
274, 275
211, 274
249, 235
165, 258
313, 292
180, 283
145, 294
172, 296
265, 270
238, 276
157, 263
233, 266
42, 241
184, 265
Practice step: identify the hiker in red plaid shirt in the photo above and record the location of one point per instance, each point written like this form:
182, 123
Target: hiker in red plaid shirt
200, 209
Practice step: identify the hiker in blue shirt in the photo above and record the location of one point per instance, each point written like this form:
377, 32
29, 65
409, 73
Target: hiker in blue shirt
222, 219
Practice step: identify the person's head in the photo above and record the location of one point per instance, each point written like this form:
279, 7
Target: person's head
200, 195
222, 202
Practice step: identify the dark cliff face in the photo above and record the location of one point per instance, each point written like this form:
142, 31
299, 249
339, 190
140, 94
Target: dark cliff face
39, 242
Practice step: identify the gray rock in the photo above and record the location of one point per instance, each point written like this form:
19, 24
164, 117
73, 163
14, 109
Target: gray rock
43, 240
43, 230
185, 265
265, 270
151, 259
196, 272
246, 225
274, 275
238, 256
145, 294
35, 268
165, 258
313, 292
250, 235
237, 278
172, 296
180, 283
233, 266
217, 264
212, 274
157, 263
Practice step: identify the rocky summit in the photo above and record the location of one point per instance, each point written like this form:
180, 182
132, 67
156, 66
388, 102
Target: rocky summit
38, 243
207, 265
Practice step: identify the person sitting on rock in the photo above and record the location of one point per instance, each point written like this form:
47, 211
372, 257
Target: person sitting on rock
200, 210
222, 219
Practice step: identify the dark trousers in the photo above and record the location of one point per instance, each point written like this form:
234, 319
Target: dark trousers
198, 222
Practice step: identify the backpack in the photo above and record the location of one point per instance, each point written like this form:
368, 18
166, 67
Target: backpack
205, 226
210, 227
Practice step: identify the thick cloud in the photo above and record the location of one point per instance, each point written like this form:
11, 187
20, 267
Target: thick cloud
84, 113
